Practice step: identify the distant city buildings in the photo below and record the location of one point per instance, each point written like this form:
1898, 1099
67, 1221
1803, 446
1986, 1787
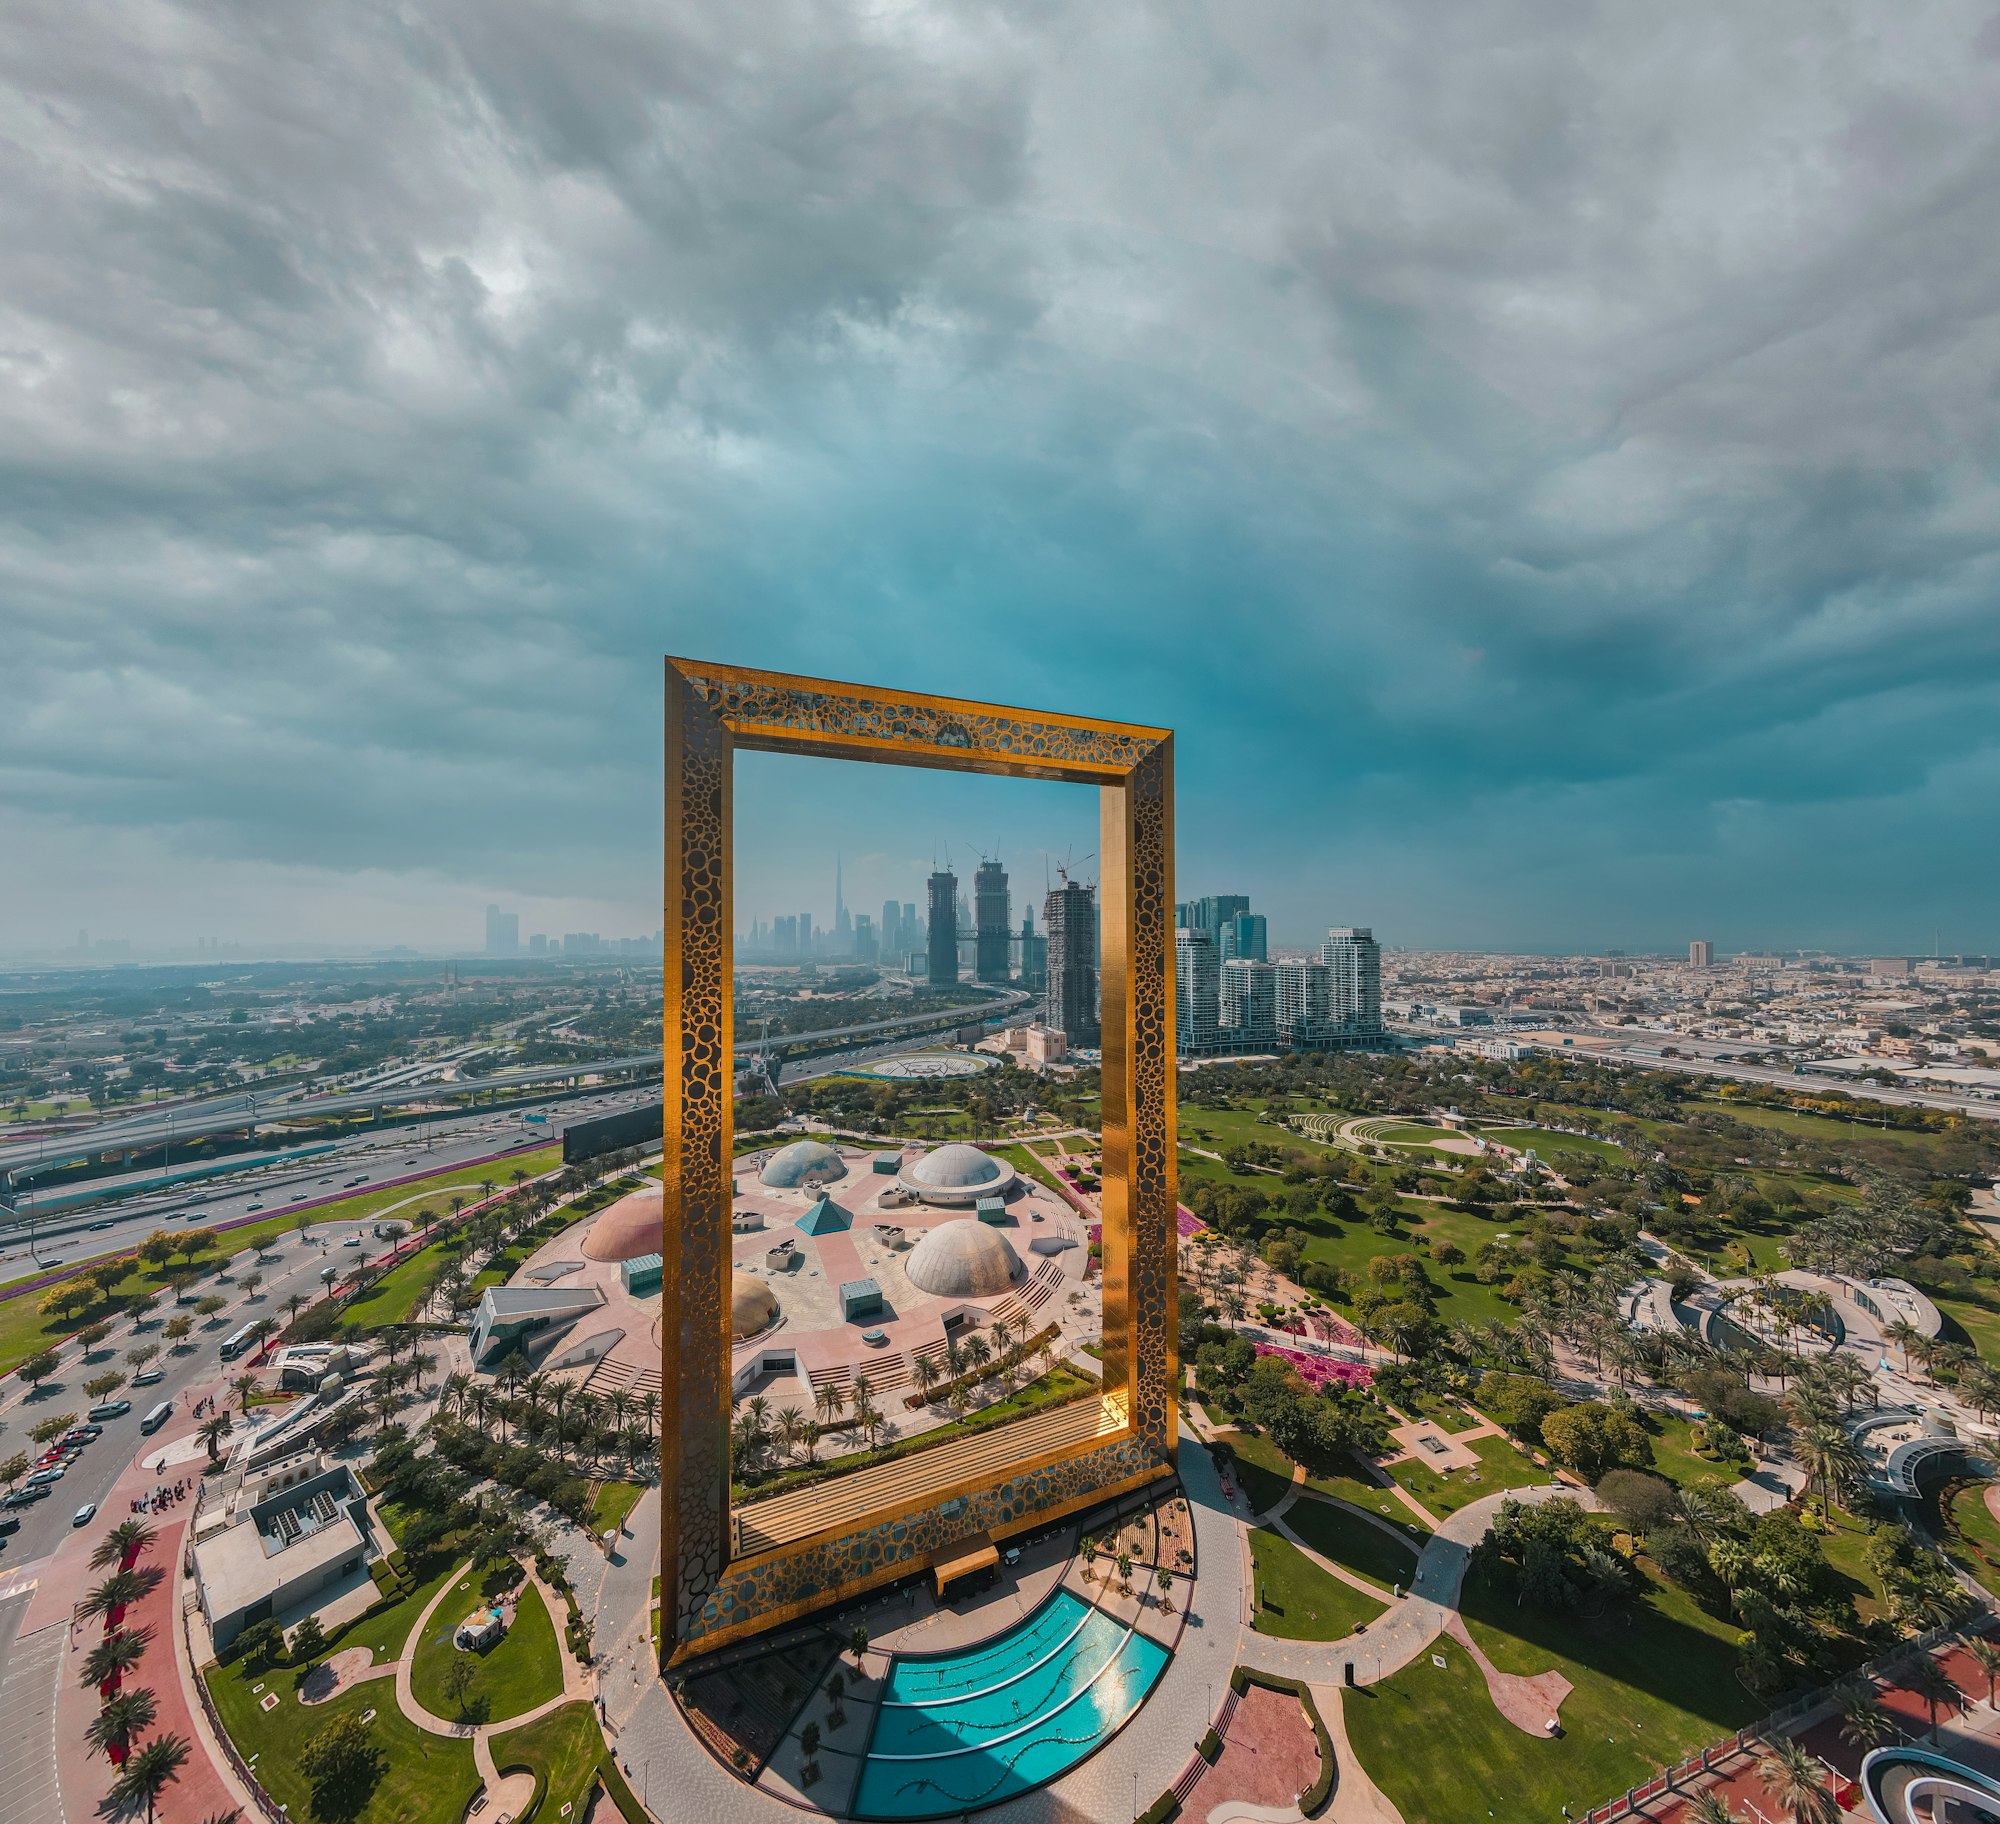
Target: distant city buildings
1230, 997
503, 932
1701, 954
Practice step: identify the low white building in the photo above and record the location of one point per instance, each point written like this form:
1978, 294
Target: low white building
286, 1537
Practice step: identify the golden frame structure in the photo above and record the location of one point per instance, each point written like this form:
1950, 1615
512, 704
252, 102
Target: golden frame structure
713, 1589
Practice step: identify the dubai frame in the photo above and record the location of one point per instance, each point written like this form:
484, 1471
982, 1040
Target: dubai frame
726, 1573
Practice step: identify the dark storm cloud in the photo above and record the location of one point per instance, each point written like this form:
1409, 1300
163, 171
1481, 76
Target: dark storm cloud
1559, 431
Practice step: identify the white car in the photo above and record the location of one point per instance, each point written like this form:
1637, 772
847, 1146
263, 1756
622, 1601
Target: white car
85, 1514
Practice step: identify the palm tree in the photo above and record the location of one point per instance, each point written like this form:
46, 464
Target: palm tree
1830, 1459
925, 1369
789, 1422
1710, 1808
118, 1591
1864, 1724
114, 1656
243, 1387
149, 1772
128, 1714
649, 1409
1796, 1780
128, 1537
1929, 1681
1986, 1656
1903, 1334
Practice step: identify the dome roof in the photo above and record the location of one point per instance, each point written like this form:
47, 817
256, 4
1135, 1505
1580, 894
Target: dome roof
963, 1258
790, 1166
630, 1227
957, 1173
752, 1306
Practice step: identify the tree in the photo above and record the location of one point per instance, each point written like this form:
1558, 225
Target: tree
308, 1640
459, 1678
128, 1714
213, 1431
209, 1304
92, 1334
117, 1592
140, 1356
1796, 1780
148, 1773
101, 1385
857, 1642
243, 1387
44, 1430
342, 1764
1986, 1656
114, 1656
262, 1643
38, 1367
14, 1468
1864, 1723
1829, 1459
125, 1540
176, 1329
1932, 1683
1710, 1808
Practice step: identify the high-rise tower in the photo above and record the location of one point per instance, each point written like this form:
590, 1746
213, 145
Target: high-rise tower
991, 908
943, 945
1069, 1003
843, 930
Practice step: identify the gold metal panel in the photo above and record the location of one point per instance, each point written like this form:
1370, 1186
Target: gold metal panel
711, 711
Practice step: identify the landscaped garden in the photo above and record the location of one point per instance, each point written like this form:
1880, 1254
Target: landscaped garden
1352, 1542
1296, 1600
562, 1750
1445, 1491
522, 1670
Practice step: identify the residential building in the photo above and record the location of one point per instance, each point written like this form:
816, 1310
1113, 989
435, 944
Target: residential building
1034, 954
864, 938
1196, 992
942, 949
1247, 1011
1701, 954
890, 937
1243, 934
503, 932
1351, 953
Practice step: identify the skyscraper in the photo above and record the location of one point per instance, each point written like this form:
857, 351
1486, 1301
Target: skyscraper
1243, 935
1701, 954
991, 910
1034, 954
843, 932
891, 936
806, 947
1197, 990
1213, 914
1069, 1002
503, 932
942, 948
864, 938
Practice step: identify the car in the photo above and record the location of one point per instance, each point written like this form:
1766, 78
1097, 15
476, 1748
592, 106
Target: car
98, 1227
353, 1241
43, 1477
23, 1497
9, 1524
149, 1377
85, 1514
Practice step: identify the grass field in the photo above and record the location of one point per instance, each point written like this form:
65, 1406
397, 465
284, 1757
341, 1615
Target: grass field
1846, 1549
1979, 1321
1296, 1600
1026, 1160
1500, 1466
1974, 1536
425, 1779
612, 1502
562, 1749
1674, 1455
1543, 1141
1353, 1543
524, 1670
1644, 1695
1266, 1459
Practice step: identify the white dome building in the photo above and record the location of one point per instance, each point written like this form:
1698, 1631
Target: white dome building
964, 1258
791, 1166
752, 1306
957, 1174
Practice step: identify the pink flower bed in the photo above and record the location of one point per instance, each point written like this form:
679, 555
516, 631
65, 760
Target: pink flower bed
1321, 1371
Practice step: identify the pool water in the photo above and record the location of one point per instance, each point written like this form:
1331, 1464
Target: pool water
958, 1730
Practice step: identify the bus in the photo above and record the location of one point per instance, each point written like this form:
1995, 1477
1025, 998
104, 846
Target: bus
157, 1417
241, 1341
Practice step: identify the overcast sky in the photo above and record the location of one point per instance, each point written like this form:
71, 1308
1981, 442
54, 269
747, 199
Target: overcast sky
1540, 457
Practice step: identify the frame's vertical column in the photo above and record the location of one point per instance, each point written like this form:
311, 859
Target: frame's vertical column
698, 1091
1141, 1193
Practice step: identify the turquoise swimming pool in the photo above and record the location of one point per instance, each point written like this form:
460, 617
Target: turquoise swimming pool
959, 1730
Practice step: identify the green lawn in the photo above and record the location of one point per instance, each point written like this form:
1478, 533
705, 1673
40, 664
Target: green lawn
1027, 1160
612, 1502
1353, 1543
562, 1749
1675, 1457
1645, 1695
1296, 1600
426, 1779
1265, 1459
1543, 1141
524, 1670
1445, 1492
1975, 1540
387, 1634
1980, 1321
1846, 1548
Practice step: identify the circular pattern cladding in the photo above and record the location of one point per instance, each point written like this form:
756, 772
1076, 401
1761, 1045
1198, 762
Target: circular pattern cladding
957, 1174
928, 1066
629, 1228
753, 1308
964, 1258
803, 1162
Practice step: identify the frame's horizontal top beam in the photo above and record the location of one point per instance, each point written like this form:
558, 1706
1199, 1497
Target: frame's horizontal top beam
776, 713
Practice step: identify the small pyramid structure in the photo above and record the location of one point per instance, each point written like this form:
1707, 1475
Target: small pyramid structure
825, 1217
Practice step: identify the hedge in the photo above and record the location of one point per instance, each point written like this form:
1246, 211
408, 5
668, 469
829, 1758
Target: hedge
1209, 1747
1161, 1809
612, 1777
1321, 1789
